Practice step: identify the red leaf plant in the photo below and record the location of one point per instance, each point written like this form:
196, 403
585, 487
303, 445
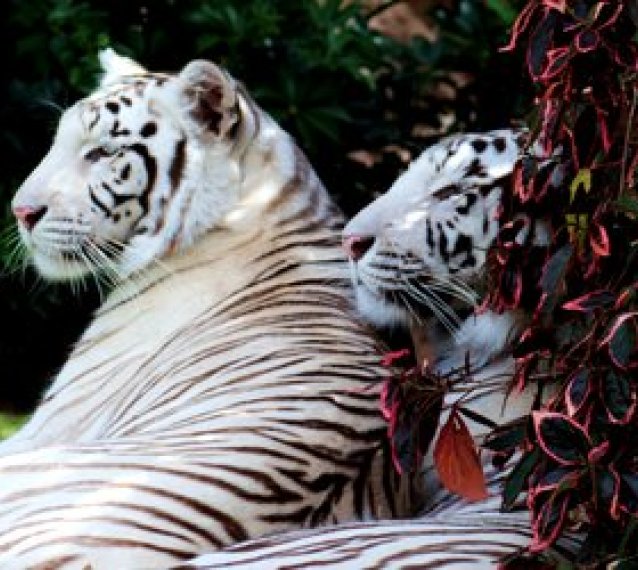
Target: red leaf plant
579, 463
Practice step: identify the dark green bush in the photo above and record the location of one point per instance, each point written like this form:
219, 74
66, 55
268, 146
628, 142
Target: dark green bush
336, 85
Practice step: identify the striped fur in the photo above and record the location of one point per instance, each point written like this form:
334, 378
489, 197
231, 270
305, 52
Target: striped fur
391, 254
450, 533
222, 393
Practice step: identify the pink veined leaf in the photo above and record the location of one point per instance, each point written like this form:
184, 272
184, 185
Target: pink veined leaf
560, 5
557, 60
590, 301
620, 320
587, 40
548, 522
561, 438
604, 129
577, 391
520, 24
599, 239
621, 341
390, 358
597, 453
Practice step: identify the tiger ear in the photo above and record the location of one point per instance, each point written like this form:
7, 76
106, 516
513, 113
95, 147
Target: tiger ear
117, 66
211, 98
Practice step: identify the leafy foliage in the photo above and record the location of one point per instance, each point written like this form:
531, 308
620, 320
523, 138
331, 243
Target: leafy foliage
579, 465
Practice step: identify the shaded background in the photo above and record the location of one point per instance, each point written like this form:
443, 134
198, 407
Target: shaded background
362, 86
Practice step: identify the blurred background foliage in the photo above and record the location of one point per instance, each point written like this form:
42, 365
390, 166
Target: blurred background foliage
362, 86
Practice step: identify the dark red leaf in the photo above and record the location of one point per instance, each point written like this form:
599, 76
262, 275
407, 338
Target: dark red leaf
578, 389
549, 521
597, 453
555, 269
395, 358
457, 460
520, 25
560, 5
619, 397
603, 128
587, 40
557, 60
590, 301
539, 42
561, 438
599, 239
623, 343
627, 498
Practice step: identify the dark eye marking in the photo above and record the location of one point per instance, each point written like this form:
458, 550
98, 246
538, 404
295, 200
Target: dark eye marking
479, 145
499, 144
148, 130
126, 100
113, 107
96, 154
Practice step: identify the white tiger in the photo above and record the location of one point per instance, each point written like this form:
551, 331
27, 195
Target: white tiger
225, 389
415, 250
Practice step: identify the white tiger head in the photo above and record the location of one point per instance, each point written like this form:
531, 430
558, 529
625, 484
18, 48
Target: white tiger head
141, 167
423, 242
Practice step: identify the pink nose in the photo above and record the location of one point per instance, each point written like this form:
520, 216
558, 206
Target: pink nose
356, 246
28, 215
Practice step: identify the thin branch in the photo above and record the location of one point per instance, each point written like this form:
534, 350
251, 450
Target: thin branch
625, 154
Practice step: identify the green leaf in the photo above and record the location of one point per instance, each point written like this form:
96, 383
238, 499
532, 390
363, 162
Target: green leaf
517, 479
628, 204
508, 437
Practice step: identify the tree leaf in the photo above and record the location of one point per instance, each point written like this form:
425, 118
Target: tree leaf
549, 521
577, 390
555, 268
507, 437
561, 438
619, 397
621, 338
457, 461
599, 239
590, 301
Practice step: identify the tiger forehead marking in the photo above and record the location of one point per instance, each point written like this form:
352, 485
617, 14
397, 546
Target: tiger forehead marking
426, 239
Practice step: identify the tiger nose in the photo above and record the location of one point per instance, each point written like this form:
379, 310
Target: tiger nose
356, 246
28, 215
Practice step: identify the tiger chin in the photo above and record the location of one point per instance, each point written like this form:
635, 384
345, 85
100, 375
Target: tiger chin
418, 253
226, 388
